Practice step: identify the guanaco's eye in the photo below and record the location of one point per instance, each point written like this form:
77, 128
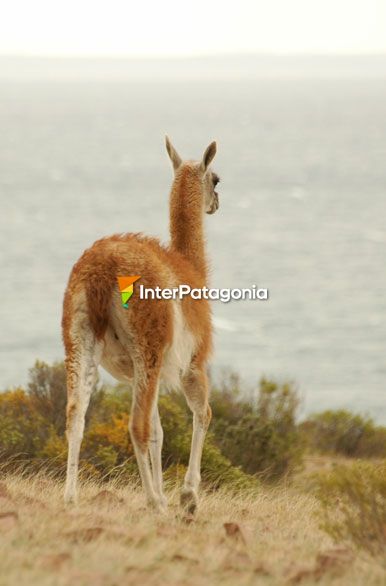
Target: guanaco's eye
215, 179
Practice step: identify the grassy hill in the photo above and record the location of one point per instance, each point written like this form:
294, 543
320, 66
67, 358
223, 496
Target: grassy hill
282, 501
268, 537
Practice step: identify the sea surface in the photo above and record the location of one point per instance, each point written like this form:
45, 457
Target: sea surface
302, 213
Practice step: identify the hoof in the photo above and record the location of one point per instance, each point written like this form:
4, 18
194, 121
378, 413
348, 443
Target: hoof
163, 501
158, 505
189, 501
70, 500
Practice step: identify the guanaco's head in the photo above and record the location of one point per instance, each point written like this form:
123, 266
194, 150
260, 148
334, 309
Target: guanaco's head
203, 170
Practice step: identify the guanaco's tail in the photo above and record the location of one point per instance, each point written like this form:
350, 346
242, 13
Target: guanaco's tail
99, 291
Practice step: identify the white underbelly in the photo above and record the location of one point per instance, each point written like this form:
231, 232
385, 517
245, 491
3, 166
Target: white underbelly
178, 356
116, 359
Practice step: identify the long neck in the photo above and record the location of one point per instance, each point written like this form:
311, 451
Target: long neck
186, 218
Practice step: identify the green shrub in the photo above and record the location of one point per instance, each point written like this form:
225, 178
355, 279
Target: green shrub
23, 432
216, 469
345, 433
48, 393
353, 501
32, 423
251, 434
260, 435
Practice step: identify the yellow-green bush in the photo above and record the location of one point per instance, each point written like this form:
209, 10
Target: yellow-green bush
260, 434
353, 501
252, 434
345, 433
23, 431
32, 428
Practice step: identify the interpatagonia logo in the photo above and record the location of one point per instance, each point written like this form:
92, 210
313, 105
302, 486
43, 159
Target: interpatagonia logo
225, 295
125, 285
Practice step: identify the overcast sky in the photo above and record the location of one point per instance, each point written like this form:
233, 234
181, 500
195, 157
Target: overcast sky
178, 27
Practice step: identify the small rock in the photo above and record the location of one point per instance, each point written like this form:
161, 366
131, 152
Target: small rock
180, 557
234, 531
4, 492
106, 497
332, 561
260, 568
54, 561
85, 535
8, 520
335, 560
301, 573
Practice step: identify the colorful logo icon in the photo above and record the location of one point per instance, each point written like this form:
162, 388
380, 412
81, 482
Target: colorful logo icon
126, 288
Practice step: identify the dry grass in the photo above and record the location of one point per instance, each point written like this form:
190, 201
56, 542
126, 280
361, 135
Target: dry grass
111, 539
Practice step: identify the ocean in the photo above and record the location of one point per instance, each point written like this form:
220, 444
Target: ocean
302, 212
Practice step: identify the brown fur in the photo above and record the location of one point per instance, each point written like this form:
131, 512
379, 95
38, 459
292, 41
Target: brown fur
125, 254
186, 228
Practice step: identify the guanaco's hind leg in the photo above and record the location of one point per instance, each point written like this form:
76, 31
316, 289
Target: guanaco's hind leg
144, 426
156, 441
82, 371
196, 390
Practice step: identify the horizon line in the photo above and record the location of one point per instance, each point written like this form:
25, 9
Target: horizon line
192, 56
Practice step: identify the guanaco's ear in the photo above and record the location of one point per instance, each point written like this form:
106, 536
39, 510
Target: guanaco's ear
208, 156
174, 156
